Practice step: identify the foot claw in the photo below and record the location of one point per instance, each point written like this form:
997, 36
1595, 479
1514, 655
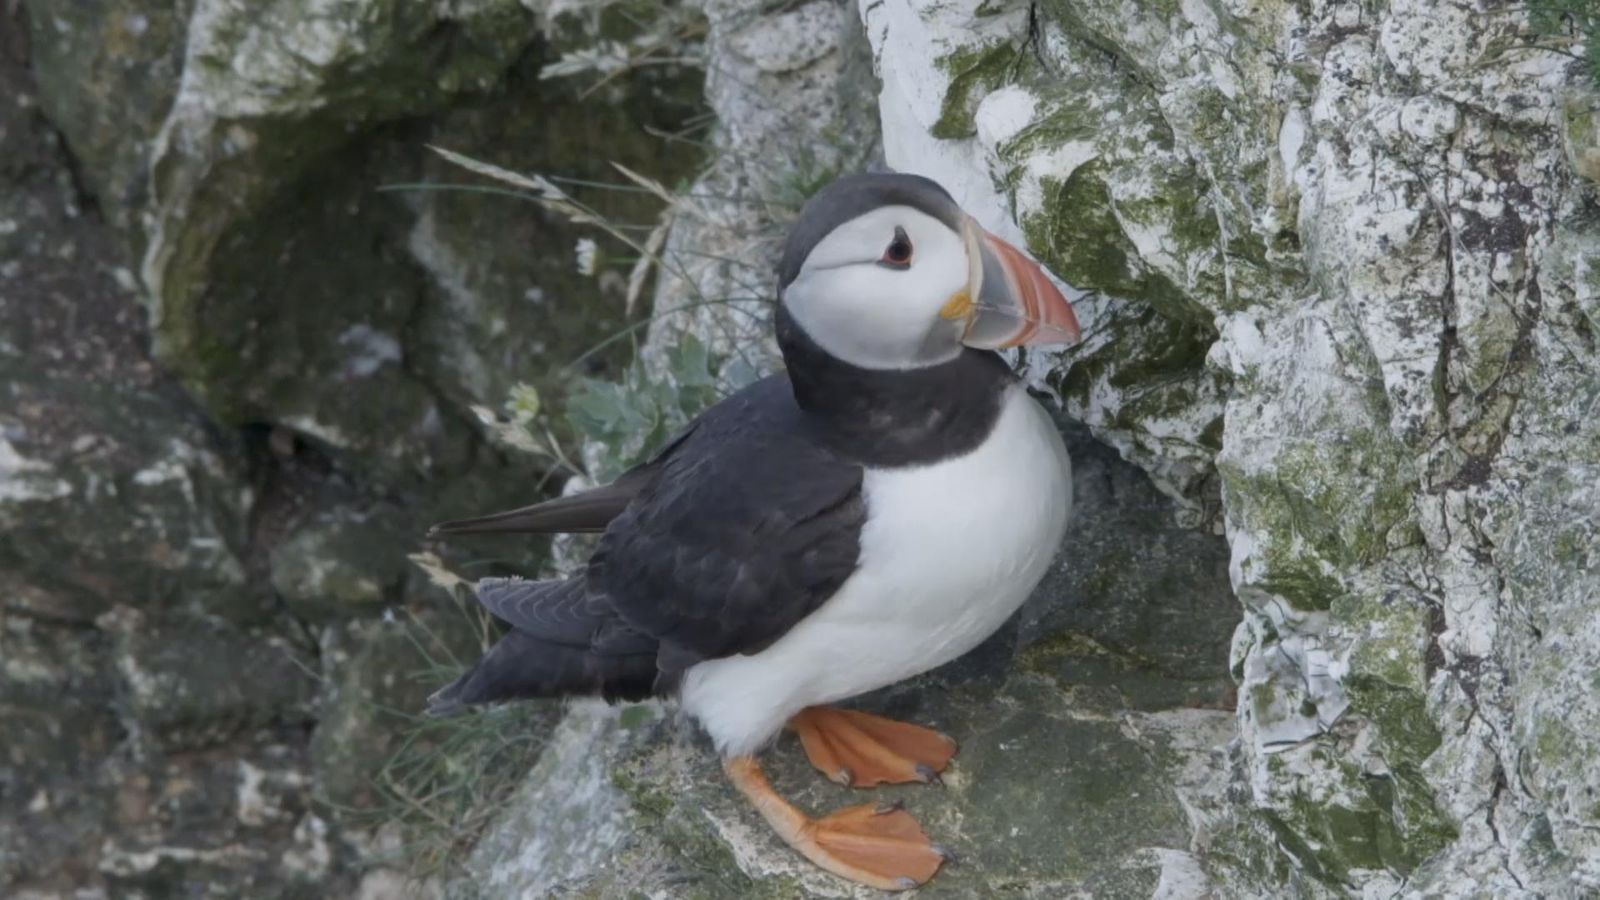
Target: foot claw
905, 882
928, 775
886, 807
946, 854
843, 777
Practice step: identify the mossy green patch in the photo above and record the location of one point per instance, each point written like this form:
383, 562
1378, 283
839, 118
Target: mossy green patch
1328, 504
1391, 636
1563, 18
1068, 114
1406, 732
974, 72
1165, 379
1109, 29
1581, 130
1330, 838
1178, 204
1302, 579
1077, 235
1196, 210
1176, 346
1424, 828
1359, 820
1247, 850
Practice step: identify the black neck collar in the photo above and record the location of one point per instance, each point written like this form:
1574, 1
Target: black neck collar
894, 417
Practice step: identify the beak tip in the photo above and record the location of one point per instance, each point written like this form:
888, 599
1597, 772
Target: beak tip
1022, 305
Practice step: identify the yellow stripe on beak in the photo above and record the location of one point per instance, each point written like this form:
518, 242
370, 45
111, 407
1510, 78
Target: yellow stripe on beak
959, 306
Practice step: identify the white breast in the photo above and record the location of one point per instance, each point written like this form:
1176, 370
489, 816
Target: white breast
948, 552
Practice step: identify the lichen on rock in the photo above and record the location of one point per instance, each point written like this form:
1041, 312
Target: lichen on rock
1367, 221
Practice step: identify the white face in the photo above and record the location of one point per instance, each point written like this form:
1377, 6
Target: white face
872, 291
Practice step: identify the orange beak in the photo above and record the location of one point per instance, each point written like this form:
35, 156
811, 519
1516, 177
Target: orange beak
1009, 301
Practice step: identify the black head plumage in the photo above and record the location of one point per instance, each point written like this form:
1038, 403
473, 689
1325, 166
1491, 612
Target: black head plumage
855, 195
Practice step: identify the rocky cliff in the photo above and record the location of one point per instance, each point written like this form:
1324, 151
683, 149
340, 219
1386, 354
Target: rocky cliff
1373, 227
1325, 621
244, 334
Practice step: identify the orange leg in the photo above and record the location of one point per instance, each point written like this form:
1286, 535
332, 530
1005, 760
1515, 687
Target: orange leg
878, 846
860, 749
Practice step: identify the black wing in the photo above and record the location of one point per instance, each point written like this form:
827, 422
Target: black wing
562, 641
561, 612
719, 545
749, 526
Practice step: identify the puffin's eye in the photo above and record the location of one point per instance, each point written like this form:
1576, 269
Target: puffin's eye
898, 254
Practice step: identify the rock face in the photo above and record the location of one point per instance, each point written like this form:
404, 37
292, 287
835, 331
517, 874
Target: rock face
792, 115
1366, 238
273, 138
237, 378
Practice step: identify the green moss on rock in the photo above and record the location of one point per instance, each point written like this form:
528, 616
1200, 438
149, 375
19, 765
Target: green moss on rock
1327, 504
974, 73
1077, 235
1581, 130
1330, 838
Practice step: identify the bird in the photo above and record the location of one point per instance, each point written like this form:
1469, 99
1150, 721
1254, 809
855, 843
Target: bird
872, 511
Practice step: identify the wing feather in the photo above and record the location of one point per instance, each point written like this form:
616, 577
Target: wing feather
736, 531
743, 534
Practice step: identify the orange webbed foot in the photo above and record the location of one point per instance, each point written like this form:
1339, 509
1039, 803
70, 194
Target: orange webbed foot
860, 749
880, 846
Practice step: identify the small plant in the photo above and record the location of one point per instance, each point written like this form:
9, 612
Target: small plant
1579, 19
632, 416
447, 778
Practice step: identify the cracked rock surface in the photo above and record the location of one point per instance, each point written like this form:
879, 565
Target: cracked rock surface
1376, 229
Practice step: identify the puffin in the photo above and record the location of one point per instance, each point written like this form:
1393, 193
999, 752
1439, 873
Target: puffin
872, 511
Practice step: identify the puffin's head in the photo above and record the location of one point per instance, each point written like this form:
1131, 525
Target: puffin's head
885, 271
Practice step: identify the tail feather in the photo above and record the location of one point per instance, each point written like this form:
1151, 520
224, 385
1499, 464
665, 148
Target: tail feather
559, 645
